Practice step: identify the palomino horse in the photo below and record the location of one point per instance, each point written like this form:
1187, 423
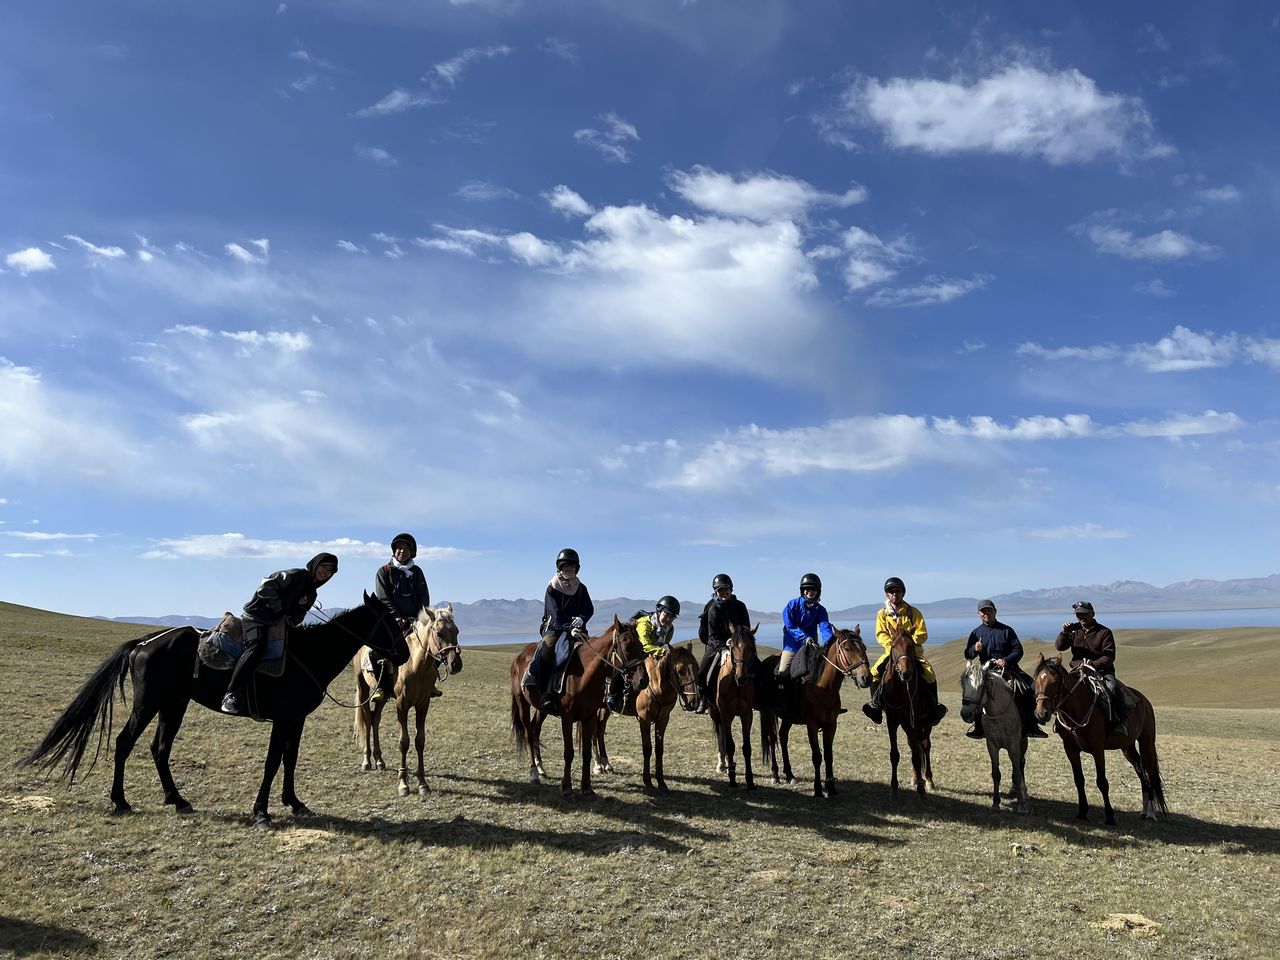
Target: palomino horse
1083, 727
985, 693
672, 678
844, 656
733, 694
903, 707
167, 676
590, 665
433, 647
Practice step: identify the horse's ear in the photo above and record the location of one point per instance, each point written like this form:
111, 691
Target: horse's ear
689, 646
617, 624
755, 628
429, 612
367, 598
449, 607
1039, 659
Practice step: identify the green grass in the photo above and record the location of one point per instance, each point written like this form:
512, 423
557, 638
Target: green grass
489, 866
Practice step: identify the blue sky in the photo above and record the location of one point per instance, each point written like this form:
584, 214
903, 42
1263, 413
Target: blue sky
986, 300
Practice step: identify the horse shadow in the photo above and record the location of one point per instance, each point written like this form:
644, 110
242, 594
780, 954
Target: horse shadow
19, 938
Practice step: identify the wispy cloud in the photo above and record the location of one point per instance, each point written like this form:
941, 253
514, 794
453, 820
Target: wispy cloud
1019, 108
1181, 350
349, 247
230, 546
40, 535
568, 202
932, 290
761, 196
1223, 194
611, 139
1079, 531
1164, 245
482, 191
107, 253
30, 260
398, 101
566, 50
1155, 288
244, 255
376, 155
450, 71
871, 260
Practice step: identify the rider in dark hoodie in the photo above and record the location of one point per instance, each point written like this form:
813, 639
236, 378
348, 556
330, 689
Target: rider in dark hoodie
282, 598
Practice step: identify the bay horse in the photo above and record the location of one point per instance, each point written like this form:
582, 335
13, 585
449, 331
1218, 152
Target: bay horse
817, 706
433, 647
1083, 728
590, 665
985, 693
733, 695
167, 676
903, 707
673, 679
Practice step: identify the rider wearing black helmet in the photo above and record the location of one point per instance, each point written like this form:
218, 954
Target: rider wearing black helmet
566, 609
402, 587
897, 611
722, 611
655, 631
803, 619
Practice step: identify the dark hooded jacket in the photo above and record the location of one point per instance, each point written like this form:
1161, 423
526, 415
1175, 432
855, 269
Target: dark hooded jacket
287, 594
404, 594
717, 616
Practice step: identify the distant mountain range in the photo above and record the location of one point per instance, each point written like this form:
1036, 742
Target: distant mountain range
512, 617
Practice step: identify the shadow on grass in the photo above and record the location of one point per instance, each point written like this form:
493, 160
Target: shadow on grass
19, 938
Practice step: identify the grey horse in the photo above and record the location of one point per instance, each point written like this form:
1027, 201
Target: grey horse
983, 688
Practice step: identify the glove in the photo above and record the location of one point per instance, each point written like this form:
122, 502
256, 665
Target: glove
576, 625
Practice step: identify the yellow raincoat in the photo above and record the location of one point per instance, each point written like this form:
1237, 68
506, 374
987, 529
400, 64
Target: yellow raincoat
912, 620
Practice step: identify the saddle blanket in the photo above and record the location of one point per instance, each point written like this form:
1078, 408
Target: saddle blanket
222, 646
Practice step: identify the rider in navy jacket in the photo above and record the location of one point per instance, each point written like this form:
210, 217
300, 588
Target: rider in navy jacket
993, 640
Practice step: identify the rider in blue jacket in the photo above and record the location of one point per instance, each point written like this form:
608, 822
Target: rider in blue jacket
803, 618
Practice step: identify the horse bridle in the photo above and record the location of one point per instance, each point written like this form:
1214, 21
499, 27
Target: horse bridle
1060, 673
734, 661
847, 671
982, 688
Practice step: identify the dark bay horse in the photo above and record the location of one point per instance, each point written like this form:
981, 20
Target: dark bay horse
1082, 725
904, 707
433, 647
844, 657
672, 679
733, 695
590, 665
164, 665
985, 693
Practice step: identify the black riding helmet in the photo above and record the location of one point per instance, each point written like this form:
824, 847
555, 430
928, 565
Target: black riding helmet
895, 583
811, 581
721, 580
406, 538
567, 556
669, 604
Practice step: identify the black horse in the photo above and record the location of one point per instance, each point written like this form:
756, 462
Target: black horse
166, 679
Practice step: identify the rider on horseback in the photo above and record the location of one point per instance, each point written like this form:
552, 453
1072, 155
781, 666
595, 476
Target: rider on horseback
281, 600
911, 622
1093, 644
402, 587
993, 640
566, 609
655, 631
804, 620
721, 612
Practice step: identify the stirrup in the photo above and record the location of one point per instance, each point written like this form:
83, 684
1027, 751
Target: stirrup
231, 705
973, 733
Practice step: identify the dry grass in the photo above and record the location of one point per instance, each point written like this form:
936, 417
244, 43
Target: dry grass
490, 866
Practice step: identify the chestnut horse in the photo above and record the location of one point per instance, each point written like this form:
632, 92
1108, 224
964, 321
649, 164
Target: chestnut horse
1082, 725
590, 665
844, 656
904, 707
433, 647
672, 678
733, 694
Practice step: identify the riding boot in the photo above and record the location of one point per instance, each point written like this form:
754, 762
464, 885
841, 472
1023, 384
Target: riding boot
872, 707
1030, 727
616, 699
977, 732
933, 708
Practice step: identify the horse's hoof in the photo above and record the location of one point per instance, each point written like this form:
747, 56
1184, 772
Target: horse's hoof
121, 810
424, 788
262, 820
776, 778
662, 787
402, 790
751, 785
379, 765
183, 808
302, 811
929, 787
365, 766
588, 794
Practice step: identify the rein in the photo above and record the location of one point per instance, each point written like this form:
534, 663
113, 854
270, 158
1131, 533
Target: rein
1059, 711
847, 671
330, 621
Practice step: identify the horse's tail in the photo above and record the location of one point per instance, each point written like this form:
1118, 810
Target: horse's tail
517, 725
1151, 760
91, 708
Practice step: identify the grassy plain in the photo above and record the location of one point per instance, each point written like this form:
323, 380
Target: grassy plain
489, 866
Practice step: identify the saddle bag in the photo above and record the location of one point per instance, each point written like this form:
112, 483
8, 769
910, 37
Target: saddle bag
222, 646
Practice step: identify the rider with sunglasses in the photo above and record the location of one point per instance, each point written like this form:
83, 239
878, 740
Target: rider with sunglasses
1092, 643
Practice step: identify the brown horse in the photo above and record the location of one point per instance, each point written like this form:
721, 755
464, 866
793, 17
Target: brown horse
433, 646
672, 678
904, 707
733, 694
590, 665
844, 656
1083, 728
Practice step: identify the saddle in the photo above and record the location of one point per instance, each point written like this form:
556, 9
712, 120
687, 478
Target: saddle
221, 647
1103, 697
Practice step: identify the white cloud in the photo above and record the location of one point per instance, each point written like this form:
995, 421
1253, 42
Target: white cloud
244, 255
1079, 531
1073, 425
39, 535
1223, 194
1155, 288
568, 202
559, 47
302, 56
350, 247
107, 253
762, 196
1183, 425
1149, 38
450, 71
1165, 245
1264, 350
283, 341
871, 260
30, 260
1181, 350
398, 101
191, 330
931, 291
231, 546
610, 141
482, 191
1019, 109
376, 154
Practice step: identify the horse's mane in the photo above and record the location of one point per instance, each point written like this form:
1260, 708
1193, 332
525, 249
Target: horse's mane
339, 617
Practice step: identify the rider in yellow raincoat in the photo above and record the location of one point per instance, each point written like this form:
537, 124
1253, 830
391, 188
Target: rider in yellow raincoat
911, 621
